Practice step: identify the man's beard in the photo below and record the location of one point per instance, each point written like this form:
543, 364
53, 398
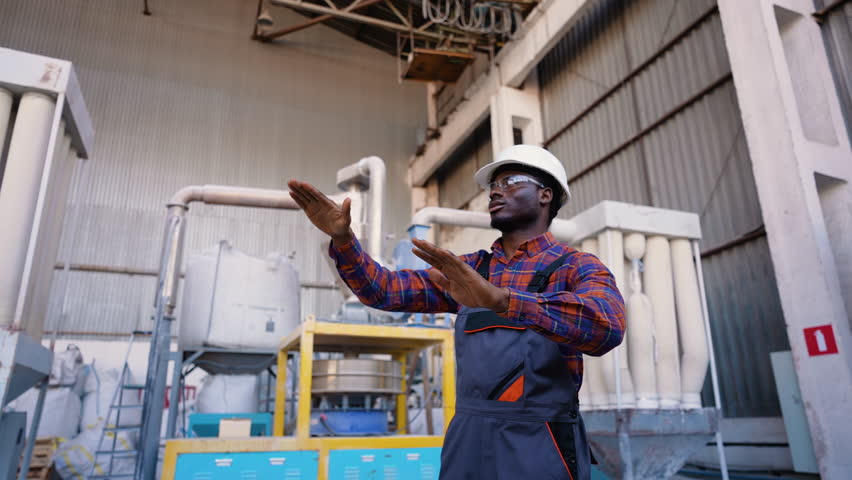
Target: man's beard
504, 224
510, 224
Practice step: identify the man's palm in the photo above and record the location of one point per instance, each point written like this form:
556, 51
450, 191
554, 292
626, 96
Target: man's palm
331, 219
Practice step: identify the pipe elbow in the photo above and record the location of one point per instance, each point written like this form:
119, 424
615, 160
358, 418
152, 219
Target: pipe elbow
186, 195
372, 165
424, 216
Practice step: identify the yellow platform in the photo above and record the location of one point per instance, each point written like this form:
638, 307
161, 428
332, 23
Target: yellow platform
314, 336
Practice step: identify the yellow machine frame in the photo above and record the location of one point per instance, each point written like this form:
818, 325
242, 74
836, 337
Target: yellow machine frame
315, 336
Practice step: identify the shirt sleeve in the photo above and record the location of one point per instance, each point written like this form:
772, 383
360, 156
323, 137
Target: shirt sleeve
588, 315
395, 291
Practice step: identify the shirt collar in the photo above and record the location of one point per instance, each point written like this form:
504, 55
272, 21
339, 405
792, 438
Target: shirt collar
532, 247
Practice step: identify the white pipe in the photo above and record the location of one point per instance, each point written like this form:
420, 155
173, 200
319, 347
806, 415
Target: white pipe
19, 195
374, 168
563, 230
695, 357
658, 284
640, 330
34, 309
714, 378
37, 258
593, 370
6, 100
242, 196
79, 184
617, 371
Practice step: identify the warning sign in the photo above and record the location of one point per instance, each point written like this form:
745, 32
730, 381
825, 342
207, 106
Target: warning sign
820, 340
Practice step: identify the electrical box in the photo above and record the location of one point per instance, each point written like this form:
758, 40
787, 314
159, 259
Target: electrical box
385, 463
294, 465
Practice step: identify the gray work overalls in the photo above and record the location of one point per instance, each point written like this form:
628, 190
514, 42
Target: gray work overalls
516, 408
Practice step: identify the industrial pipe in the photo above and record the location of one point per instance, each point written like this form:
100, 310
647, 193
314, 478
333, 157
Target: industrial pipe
239, 196
594, 366
563, 230
658, 285
616, 369
19, 198
641, 332
690, 324
368, 173
374, 169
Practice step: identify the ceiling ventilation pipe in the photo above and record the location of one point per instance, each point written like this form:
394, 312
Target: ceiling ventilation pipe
563, 230
370, 172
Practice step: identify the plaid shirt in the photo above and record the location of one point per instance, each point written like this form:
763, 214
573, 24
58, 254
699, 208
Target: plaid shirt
581, 309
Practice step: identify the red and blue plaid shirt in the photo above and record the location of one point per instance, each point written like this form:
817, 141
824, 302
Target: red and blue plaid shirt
581, 308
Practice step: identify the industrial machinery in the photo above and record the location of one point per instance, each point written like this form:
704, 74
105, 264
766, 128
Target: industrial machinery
642, 402
369, 173
344, 405
45, 133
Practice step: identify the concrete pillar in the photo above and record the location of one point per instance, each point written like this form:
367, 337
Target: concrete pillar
516, 108
802, 166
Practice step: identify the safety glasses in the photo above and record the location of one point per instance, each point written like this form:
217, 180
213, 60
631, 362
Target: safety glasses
512, 180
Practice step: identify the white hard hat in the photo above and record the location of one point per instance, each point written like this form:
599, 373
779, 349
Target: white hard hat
530, 156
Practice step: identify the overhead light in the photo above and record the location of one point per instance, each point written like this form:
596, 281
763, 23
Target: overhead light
265, 19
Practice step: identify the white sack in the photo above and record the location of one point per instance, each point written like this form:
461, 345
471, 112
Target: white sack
67, 367
60, 416
98, 392
228, 394
75, 457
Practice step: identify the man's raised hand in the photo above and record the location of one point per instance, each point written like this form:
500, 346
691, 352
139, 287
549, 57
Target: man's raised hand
331, 219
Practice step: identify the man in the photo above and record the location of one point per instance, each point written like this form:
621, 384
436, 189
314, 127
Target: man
527, 312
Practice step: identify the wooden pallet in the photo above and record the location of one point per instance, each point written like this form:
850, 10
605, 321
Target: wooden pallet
41, 463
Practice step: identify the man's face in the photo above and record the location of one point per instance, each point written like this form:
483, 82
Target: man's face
516, 205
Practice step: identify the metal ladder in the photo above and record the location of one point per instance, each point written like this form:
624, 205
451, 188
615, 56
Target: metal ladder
116, 450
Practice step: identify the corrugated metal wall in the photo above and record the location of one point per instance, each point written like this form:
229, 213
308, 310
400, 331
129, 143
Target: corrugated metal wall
185, 97
638, 102
837, 31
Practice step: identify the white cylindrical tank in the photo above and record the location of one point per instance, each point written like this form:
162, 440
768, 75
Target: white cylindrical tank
19, 194
658, 284
693, 338
616, 364
233, 300
640, 330
50, 231
593, 368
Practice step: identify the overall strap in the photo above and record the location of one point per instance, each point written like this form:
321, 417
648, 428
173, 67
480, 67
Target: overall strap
484, 263
542, 277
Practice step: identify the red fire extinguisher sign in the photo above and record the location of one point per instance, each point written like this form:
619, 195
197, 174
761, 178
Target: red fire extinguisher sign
820, 340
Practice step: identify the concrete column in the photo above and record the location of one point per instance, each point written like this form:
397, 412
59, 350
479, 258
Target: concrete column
516, 108
801, 161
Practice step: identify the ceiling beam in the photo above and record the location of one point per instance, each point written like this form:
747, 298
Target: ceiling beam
397, 27
398, 15
322, 18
